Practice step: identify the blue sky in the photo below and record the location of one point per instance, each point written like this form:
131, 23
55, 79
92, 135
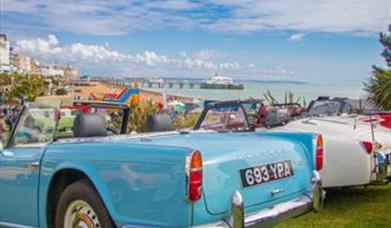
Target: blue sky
323, 41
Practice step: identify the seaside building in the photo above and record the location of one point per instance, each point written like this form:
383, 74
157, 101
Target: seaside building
12, 60
70, 73
5, 66
22, 63
52, 71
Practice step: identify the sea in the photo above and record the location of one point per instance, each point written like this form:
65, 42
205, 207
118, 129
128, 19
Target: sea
258, 89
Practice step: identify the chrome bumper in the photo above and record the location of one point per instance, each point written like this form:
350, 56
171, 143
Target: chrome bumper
383, 169
277, 213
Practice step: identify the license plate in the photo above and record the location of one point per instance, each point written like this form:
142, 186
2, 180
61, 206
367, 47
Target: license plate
265, 173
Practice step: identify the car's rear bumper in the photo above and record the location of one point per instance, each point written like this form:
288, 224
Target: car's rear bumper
383, 168
279, 212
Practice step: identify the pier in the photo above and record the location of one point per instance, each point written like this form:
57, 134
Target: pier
152, 83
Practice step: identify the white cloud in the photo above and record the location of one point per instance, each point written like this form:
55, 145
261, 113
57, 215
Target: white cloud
206, 54
296, 37
46, 46
93, 59
251, 65
150, 58
99, 17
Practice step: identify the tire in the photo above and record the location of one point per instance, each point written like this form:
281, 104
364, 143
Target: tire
80, 203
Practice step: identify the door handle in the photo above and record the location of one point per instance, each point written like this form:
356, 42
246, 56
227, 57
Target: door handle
34, 164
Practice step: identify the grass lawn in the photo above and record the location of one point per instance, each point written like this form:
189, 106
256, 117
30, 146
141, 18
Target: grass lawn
354, 207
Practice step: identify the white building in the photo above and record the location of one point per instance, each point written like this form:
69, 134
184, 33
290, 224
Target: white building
5, 66
52, 71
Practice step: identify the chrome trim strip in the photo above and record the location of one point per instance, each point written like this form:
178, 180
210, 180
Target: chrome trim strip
115, 138
317, 191
270, 216
264, 217
237, 210
279, 211
13, 225
118, 138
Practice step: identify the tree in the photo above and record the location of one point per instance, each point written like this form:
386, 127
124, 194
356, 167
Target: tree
26, 87
139, 113
379, 85
61, 91
5, 80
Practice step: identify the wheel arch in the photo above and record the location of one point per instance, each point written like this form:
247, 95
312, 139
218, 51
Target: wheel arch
65, 176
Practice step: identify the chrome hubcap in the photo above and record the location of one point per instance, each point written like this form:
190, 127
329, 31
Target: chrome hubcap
80, 214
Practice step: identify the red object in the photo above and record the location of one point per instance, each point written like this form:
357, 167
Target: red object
195, 177
296, 111
57, 114
82, 108
368, 146
264, 110
319, 153
160, 105
386, 120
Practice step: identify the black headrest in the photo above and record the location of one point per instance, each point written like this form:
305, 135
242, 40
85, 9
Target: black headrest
159, 122
89, 125
322, 98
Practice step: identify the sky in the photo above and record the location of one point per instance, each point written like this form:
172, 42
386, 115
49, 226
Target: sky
322, 41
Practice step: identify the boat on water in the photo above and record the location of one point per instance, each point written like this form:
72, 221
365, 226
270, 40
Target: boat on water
221, 82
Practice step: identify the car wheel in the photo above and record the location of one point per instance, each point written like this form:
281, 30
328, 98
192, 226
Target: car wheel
80, 206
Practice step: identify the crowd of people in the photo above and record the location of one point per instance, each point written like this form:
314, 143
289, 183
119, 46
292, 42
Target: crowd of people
8, 115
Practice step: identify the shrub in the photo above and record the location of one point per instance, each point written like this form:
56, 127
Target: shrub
188, 121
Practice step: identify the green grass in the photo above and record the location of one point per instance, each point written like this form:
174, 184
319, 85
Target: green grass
353, 207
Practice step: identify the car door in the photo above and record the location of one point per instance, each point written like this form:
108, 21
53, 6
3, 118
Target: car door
20, 166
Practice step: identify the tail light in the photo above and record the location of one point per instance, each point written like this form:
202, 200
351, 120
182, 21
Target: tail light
319, 153
195, 176
368, 146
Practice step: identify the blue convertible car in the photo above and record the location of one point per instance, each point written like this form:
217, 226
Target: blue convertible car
94, 175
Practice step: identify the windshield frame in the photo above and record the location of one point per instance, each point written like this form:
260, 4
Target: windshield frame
121, 106
223, 104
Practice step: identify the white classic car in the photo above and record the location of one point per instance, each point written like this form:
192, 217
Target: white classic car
356, 151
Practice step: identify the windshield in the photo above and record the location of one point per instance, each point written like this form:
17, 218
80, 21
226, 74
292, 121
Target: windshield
40, 124
225, 119
328, 108
36, 126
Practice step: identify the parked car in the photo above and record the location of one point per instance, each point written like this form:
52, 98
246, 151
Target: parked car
326, 106
357, 152
95, 178
357, 147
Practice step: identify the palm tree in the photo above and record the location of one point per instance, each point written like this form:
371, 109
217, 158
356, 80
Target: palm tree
289, 97
379, 88
379, 85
